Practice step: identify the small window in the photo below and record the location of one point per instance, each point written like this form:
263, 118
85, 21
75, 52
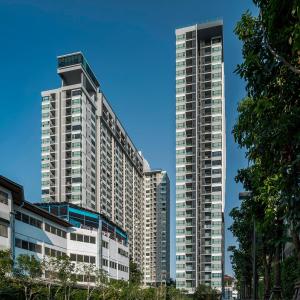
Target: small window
53, 230
18, 243
38, 248
53, 252
92, 260
86, 238
24, 245
104, 262
47, 227
86, 259
73, 236
79, 238
92, 240
3, 230
3, 197
33, 222
38, 224
25, 218
31, 247
79, 258
73, 257
18, 216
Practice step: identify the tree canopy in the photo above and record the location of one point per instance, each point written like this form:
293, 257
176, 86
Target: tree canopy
268, 128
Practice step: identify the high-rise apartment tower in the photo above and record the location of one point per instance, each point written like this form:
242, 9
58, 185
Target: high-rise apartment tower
156, 264
87, 157
200, 156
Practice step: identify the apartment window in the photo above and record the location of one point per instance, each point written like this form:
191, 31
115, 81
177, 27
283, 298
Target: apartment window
122, 252
82, 258
55, 230
180, 37
76, 101
123, 268
83, 238
104, 244
180, 46
104, 262
54, 252
76, 92
76, 127
28, 246
3, 198
28, 220
3, 230
113, 265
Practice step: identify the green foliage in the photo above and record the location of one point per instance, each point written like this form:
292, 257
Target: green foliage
269, 117
28, 268
174, 294
205, 292
6, 265
135, 275
268, 128
27, 281
290, 273
28, 272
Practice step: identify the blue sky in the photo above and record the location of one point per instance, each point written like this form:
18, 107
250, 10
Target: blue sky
130, 45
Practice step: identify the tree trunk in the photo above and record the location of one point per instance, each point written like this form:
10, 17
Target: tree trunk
296, 242
26, 292
49, 291
277, 275
267, 277
88, 292
276, 291
248, 288
66, 298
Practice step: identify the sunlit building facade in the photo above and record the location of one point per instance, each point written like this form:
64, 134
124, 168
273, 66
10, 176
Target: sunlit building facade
88, 159
156, 263
200, 156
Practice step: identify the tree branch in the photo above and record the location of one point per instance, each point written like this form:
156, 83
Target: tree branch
282, 59
276, 55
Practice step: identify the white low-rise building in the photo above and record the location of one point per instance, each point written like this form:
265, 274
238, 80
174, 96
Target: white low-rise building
56, 229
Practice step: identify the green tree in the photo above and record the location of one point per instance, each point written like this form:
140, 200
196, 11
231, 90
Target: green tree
66, 277
50, 269
269, 119
28, 272
135, 275
259, 207
173, 293
6, 265
204, 292
290, 273
96, 280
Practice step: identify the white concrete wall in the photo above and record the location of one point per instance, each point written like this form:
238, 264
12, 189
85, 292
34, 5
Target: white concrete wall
41, 237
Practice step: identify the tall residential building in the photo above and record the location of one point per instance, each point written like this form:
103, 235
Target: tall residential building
200, 156
156, 264
88, 159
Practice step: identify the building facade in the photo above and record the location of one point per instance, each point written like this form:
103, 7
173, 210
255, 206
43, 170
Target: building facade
230, 288
156, 264
88, 159
200, 156
61, 229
